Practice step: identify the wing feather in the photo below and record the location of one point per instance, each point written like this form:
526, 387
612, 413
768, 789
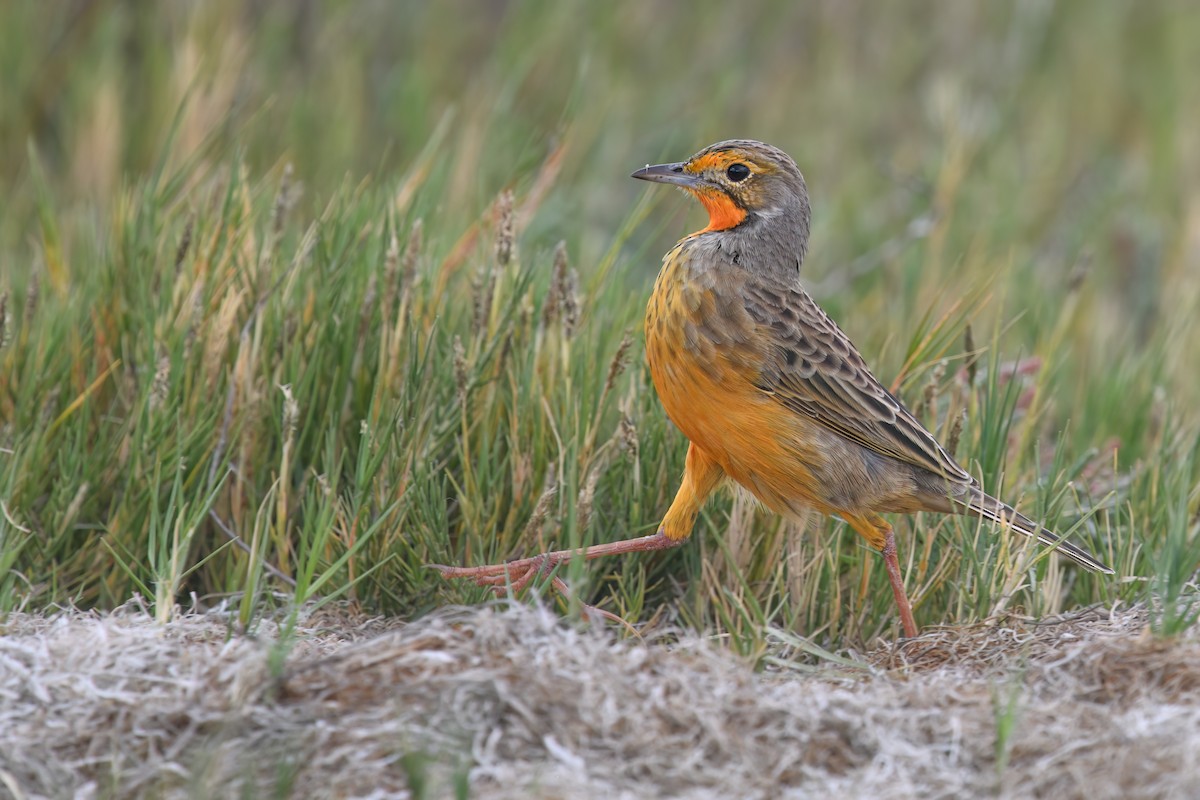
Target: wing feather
813, 369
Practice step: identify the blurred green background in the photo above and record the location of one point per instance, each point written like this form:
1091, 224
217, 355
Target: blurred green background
202, 202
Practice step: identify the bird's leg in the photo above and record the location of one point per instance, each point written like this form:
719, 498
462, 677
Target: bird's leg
521, 572
892, 562
876, 530
701, 476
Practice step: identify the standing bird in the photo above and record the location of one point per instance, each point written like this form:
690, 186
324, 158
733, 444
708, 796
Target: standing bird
768, 389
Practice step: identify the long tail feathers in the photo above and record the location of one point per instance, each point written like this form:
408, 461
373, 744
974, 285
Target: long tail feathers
988, 507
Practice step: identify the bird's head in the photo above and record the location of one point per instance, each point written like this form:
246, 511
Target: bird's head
742, 184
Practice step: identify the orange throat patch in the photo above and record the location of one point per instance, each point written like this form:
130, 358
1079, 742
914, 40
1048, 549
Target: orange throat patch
723, 213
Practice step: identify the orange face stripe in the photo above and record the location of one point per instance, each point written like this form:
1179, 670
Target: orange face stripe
723, 213
717, 161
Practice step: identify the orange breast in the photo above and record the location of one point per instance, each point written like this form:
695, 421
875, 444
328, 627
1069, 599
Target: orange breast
707, 389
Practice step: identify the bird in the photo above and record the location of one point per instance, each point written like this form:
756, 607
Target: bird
768, 390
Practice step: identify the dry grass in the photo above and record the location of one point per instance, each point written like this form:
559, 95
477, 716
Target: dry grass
513, 702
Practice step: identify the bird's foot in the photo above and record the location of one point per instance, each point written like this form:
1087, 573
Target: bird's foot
513, 577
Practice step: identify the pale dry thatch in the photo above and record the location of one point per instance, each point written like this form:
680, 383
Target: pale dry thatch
513, 702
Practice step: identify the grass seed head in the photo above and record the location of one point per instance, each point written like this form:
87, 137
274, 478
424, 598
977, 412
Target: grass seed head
587, 495
955, 434
412, 252
972, 365
504, 229
627, 431
483, 289
570, 302
929, 397
370, 295
541, 511
31, 299
617, 365
552, 309
185, 243
460, 370
283, 201
291, 412
162, 383
50, 404
391, 263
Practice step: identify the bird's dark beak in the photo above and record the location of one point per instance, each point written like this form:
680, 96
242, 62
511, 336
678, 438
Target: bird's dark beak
667, 173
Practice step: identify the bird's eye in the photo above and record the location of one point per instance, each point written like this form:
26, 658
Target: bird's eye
737, 172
